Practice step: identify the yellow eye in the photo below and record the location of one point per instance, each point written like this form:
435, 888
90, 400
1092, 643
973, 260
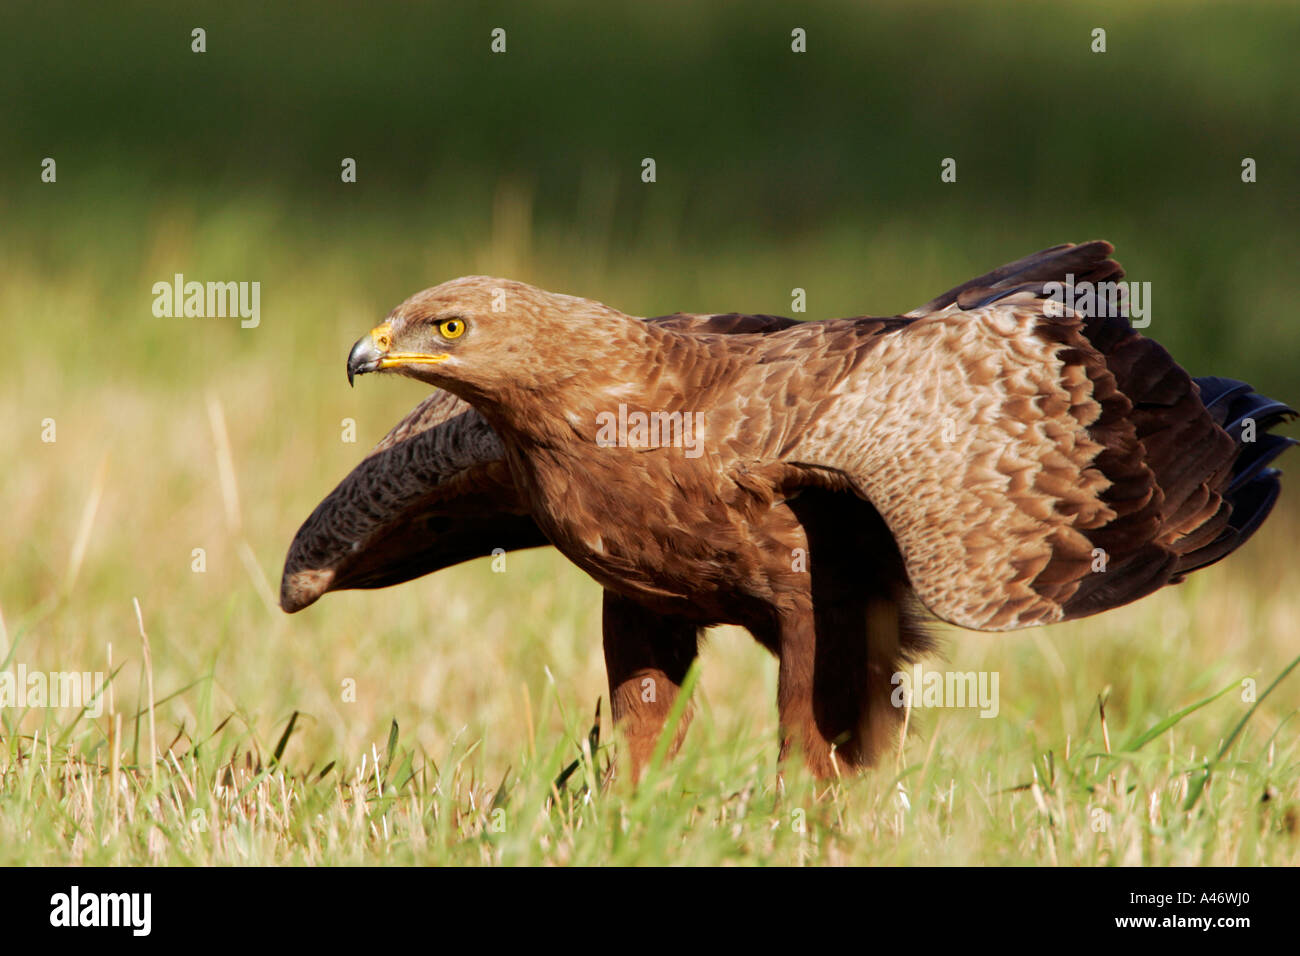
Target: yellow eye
451, 328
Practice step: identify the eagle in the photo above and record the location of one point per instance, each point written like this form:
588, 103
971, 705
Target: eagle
997, 458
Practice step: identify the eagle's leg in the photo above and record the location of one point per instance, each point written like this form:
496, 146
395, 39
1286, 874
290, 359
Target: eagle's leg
646, 657
861, 644
835, 683
847, 630
796, 650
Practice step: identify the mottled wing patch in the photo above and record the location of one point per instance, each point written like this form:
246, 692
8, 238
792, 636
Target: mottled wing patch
969, 432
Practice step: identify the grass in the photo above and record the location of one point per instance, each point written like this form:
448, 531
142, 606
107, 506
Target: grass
1057, 778
430, 723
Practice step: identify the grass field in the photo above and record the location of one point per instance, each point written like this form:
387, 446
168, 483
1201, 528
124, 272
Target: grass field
170, 461
432, 720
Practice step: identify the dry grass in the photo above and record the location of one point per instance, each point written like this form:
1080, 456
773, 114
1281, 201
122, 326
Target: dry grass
175, 435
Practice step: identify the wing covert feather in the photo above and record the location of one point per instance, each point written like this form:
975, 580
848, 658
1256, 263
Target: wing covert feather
1032, 467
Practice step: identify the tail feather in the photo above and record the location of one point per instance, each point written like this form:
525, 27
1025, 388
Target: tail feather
1216, 392
1252, 487
1255, 457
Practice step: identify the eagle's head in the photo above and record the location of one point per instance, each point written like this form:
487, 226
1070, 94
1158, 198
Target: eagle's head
483, 337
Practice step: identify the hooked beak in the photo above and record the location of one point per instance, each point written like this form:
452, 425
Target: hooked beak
364, 357
373, 352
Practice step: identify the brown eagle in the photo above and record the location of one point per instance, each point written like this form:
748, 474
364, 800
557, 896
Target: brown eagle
994, 456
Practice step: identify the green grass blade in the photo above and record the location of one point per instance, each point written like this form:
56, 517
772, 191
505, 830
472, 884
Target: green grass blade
1198, 785
1140, 741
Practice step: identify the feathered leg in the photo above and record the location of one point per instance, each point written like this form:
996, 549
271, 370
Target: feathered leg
835, 684
850, 630
801, 732
646, 658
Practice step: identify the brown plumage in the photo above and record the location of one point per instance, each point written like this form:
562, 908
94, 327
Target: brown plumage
814, 482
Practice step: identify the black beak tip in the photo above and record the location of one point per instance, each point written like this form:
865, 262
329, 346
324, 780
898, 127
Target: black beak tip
363, 358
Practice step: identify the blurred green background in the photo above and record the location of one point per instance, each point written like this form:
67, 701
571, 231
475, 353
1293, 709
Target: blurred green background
775, 170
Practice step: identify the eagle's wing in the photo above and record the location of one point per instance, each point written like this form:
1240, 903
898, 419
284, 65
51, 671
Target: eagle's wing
1032, 468
1088, 262
436, 491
